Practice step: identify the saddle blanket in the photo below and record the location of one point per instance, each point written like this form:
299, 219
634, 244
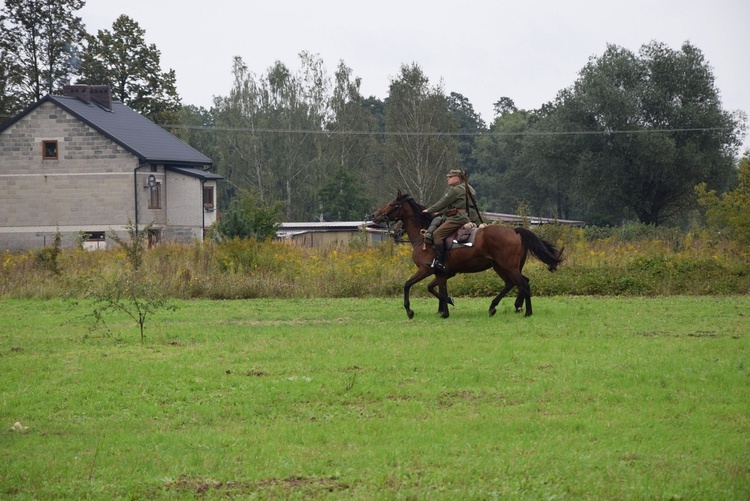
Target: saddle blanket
464, 236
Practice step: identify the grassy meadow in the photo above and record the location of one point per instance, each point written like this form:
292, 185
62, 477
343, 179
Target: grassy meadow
281, 372
590, 398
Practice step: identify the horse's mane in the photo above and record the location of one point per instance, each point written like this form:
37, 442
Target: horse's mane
423, 219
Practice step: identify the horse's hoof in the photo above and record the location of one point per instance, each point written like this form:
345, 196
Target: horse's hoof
528, 314
519, 310
450, 301
410, 314
492, 311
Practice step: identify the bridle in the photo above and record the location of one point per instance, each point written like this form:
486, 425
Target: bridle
386, 216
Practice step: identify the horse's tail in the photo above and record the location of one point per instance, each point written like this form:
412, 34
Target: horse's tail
541, 249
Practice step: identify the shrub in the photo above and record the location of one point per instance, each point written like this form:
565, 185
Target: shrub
48, 257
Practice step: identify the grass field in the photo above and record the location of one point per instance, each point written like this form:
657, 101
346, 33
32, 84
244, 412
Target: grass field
590, 398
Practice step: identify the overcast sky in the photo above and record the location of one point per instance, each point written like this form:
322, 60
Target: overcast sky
526, 50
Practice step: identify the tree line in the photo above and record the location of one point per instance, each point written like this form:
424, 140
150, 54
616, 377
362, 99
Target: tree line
629, 140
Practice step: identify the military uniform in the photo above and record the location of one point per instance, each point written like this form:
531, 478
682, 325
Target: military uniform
452, 214
452, 210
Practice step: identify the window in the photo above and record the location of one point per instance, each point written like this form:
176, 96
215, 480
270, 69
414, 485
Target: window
208, 198
154, 196
49, 150
93, 240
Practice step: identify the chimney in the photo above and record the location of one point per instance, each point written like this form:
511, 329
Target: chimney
81, 91
100, 94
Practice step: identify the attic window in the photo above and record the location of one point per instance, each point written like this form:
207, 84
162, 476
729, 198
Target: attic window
49, 150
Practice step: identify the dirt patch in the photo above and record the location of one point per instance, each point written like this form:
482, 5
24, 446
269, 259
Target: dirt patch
236, 487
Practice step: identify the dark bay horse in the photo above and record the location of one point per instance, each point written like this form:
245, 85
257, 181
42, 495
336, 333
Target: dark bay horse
498, 247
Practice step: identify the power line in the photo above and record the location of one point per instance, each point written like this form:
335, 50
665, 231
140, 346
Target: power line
253, 130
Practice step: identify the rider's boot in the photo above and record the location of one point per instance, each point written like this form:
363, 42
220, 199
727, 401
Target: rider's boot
439, 262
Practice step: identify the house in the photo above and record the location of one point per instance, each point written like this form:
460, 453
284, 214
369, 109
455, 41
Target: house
84, 165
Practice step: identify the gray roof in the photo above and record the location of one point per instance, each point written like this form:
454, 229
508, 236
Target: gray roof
199, 173
134, 132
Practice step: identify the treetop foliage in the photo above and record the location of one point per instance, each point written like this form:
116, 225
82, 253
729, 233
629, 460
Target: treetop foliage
628, 140
730, 211
39, 44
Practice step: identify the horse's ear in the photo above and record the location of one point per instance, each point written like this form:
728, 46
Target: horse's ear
398, 195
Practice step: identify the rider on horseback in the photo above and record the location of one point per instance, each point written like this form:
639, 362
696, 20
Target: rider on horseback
452, 212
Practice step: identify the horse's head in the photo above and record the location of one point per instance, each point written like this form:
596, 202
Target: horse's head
392, 211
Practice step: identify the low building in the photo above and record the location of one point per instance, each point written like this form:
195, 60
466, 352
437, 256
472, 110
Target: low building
516, 220
329, 234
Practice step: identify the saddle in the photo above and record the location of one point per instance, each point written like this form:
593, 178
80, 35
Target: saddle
463, 237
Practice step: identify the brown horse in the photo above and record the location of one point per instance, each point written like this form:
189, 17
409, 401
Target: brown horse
498, 247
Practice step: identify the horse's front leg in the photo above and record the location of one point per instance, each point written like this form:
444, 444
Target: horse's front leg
422, 273
440, 296
444, 298
508, 286
496, 300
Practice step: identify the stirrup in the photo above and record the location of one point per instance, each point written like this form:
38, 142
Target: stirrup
436, 264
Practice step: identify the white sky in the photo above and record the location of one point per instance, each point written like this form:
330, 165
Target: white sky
527, 50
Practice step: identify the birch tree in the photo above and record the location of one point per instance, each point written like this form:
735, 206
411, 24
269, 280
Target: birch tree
419, 146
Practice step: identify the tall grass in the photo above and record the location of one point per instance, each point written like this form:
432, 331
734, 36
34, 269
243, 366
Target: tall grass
631, 260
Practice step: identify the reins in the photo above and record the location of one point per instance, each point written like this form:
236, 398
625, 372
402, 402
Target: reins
416, 216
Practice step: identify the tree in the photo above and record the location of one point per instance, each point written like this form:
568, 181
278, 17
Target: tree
273, 142
342, 198
121, 59
731, 211
504, 105
10, 78
39, 40
134, 293
502, 179
352, 145
249, 217
419, 147
196, 126
637, 132
242, 157
548, 158
298, 103
470, 124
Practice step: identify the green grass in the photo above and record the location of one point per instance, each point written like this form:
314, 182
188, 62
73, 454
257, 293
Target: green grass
590, 398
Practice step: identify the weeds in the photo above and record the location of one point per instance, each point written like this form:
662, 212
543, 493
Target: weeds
632, 260
49, 257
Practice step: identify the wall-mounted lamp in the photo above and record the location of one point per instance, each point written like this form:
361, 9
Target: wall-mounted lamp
151, 181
